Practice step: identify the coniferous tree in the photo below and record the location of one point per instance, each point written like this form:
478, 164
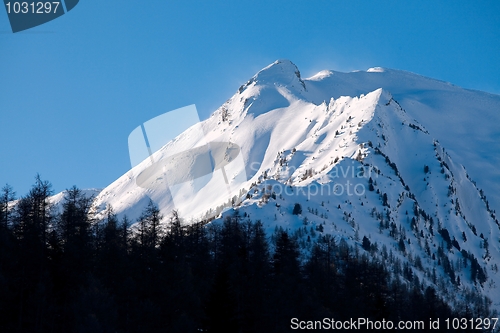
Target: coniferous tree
33, 214
385, 201
401, 245
8, 260
32, 219
75, 221
257, 278
297, 209
112, 251
74, 253
286, 255
149, 232
289, 295
224, 299
366, 243
370, 185
67, 272
7, 195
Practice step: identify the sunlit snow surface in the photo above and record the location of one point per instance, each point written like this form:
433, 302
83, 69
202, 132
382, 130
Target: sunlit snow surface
306, 140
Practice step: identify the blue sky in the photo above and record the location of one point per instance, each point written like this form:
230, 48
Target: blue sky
72, 90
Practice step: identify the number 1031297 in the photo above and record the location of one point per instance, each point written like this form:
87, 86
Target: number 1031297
477, 323
32, 7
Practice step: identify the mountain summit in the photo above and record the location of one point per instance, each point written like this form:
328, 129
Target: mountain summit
382, 154
281, 71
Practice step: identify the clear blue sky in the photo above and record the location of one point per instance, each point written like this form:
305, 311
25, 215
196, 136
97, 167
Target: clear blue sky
73, 89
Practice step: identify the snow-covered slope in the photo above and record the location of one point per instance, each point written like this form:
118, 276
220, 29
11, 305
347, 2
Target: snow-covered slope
381, 154
451, 114
464, 121
58, 199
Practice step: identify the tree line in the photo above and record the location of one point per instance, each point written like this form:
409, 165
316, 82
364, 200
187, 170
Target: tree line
68, 271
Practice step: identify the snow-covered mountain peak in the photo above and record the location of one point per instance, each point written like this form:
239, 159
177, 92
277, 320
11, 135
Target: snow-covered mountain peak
281, 73
382, 155
360, 152
273, 114
281, 70
320, 75
375, 70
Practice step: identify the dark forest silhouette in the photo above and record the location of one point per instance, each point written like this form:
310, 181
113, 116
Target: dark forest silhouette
69, 272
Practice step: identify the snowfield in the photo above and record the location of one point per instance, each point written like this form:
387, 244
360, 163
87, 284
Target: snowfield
406, 161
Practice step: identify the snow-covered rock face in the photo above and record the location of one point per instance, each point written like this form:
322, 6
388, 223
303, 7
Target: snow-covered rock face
347, 147
277, 111
464, 121
282, 72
